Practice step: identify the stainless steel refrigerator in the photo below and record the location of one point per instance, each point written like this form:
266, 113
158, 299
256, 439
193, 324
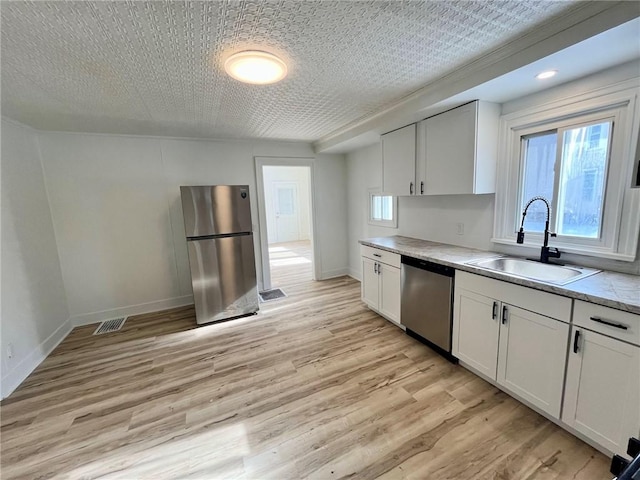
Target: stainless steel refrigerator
217, 223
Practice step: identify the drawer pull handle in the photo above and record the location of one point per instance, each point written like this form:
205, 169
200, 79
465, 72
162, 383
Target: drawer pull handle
576, 340
611, 324
377, 255
494, 313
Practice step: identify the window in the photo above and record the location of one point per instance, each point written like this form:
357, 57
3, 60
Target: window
382, 209
578, 155
577, 193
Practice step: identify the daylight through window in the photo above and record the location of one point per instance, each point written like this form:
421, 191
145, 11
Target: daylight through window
567, 166
382, 210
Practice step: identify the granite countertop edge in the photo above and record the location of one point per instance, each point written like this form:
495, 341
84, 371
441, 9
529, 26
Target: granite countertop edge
457, 257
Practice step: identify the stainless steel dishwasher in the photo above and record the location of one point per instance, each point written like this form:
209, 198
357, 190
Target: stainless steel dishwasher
426, 309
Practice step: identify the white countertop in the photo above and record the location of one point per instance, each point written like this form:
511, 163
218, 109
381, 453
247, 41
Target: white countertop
611, 289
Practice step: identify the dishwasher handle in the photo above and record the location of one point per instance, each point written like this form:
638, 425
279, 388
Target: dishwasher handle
428, 266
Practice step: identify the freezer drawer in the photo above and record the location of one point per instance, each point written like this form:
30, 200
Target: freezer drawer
223, 276
216, 210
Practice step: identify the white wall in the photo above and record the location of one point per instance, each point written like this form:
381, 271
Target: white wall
429, 218
330, 208
34, 310
272, 175
117, 215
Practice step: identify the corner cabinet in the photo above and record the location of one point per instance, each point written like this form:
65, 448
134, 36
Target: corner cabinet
399, 161
458, 149
602, 395
381, 282
497, 333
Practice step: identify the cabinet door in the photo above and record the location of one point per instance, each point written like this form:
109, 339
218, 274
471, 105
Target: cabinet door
450, 146
533, 352
475, 331
399, 161
370, 282
602, 395
389, 291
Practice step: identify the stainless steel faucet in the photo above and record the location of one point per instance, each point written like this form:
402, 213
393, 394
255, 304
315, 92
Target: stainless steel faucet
546, 252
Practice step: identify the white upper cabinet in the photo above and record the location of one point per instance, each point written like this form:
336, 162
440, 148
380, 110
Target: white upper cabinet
399, 161
457, 150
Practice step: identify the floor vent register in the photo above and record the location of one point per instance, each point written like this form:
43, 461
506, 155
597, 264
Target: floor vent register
109, 326
273, 294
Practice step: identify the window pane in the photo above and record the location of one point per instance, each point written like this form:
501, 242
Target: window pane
387, 212
381, 207
376, 207
538, 177
585, 152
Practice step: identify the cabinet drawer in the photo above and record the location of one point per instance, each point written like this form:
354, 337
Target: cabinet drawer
382, 256
547, 304
591, 316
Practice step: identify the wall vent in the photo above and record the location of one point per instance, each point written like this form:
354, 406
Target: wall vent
109, 326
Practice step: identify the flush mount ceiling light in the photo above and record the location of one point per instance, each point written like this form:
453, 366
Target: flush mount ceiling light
546, 74
253, 66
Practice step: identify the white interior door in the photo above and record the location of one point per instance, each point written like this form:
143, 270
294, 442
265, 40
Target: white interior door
286, 211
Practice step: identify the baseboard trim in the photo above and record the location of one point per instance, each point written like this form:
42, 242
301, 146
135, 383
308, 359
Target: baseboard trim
22, 370
94, 317
339, 272
355, 274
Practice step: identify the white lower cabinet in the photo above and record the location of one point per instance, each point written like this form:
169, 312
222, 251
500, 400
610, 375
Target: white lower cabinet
390, 291
381, 282
522, 339
522, 351
531, 357
602, 395
370, 282
476, 331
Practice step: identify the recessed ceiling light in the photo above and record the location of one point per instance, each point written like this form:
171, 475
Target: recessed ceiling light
546, 74
253, 66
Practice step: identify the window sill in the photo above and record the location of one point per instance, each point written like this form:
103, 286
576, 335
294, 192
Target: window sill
566, 248
383, 223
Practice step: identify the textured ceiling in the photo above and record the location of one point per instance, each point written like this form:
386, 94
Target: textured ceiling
156, 67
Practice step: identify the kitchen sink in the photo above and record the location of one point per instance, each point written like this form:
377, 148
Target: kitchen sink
542, 272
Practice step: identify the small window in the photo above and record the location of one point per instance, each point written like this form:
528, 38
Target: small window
383, 209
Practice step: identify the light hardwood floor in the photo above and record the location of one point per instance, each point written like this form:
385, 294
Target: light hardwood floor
290, 263
315, 386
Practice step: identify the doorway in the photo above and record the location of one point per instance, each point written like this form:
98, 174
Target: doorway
285, 190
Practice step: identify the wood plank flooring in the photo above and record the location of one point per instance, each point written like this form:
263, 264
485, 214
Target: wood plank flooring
315, 386
290, 263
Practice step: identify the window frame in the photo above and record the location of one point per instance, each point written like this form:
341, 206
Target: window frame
621, 210
393, 223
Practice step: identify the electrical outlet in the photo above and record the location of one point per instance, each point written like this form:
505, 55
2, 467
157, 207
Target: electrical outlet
10, 350
460, 228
